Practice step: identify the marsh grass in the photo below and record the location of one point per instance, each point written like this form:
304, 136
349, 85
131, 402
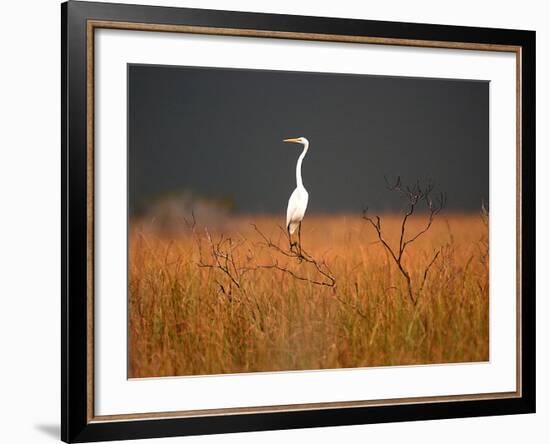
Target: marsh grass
188, 320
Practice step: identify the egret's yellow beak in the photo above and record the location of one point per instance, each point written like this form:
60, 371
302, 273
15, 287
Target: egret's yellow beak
292, 140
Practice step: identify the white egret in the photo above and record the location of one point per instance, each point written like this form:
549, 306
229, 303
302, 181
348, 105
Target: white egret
297, 203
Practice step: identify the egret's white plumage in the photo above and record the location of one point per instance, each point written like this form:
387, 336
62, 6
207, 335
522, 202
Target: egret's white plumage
297, 203
296, 209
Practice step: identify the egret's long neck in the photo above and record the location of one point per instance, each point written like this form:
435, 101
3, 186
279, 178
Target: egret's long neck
299, 182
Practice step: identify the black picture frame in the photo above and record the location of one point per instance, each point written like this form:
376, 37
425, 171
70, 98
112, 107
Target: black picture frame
76, 423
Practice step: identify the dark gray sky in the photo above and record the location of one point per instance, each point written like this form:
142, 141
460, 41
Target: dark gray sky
218, 133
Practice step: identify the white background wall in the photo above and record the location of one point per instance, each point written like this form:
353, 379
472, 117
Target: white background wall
30, 221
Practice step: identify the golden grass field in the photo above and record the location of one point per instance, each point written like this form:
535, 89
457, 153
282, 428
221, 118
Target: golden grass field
187, 319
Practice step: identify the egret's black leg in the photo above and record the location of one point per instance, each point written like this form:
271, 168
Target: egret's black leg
300, 238
290, 245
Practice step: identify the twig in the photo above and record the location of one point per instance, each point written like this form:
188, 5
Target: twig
300, 255
413, 195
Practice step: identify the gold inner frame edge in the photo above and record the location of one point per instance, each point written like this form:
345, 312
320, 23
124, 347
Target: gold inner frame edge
105, 24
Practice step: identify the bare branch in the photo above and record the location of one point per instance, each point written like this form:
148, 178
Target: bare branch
427, 269
276, 266
300, 255
222, 253
414, 195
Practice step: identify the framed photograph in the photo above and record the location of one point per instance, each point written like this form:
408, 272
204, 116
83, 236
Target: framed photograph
275, 221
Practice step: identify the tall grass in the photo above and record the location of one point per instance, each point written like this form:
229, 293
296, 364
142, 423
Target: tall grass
184, 320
